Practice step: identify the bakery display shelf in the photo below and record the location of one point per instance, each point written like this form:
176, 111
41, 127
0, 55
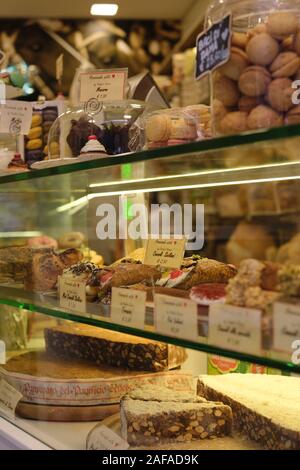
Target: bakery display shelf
180, 151
98, 315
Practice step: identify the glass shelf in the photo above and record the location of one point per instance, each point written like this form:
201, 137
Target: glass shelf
98, 315
180, 154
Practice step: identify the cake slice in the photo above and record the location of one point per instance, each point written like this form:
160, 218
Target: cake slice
162, 415
265, 407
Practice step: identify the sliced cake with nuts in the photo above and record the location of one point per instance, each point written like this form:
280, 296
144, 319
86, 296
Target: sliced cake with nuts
158, 414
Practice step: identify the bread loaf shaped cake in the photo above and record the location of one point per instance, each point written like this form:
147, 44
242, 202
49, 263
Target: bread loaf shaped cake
111, 348
265, 407
157, 415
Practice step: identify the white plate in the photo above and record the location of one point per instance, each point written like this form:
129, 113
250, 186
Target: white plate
65, 161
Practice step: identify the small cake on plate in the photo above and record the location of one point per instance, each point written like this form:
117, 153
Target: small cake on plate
93, 146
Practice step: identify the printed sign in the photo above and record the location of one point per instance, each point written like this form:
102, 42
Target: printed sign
2, 352
72, 295
286, 324
167, 253
102, 85
213, 47
235, 328
176, 317
16, 117
103, 438
128, 307
9, 398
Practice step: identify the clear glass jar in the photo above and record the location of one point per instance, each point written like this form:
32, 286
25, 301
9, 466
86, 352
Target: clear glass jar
253, 90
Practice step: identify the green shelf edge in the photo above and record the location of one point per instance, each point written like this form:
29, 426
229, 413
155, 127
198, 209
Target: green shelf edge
206, 348
193, 147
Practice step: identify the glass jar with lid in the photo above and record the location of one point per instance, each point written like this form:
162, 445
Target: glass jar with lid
255, 89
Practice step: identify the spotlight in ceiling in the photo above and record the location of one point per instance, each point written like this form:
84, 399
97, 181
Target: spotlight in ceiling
104, 9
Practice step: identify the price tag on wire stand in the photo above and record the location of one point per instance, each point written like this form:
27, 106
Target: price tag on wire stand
167, 253
72, 295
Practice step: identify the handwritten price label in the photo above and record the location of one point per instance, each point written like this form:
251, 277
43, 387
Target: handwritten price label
167, 253
9, 398
16, 117
286, 324
176, 317
128, 307
103, 85
72, 295
235, 328
103, 438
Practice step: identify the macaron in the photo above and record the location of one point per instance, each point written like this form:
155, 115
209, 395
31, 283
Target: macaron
236, 65
47, 125
36, 120
282, 24
50, 115
262, 49
34, 155
263, 117
254, 81
35, 133
286, 64
226, 91
293, 116
158, 128
234, 122
279, 94
34, 144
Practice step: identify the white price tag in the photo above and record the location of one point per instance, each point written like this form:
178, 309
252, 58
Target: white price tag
286, 324
235, 328
16, 117
128, 307
103, 438
72, 295
177, 317
9, 398
167, 253
2, 352
103, 85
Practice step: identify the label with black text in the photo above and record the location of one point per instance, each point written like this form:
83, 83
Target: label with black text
286, 325
128, 307
167, 253
72, 295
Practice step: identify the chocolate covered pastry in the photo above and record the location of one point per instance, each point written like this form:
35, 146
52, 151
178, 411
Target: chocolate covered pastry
126, 274
80, 132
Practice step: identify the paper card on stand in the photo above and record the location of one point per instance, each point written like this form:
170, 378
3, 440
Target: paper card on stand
103, 85
235, 328
128, 307
177, 317
167, 253
103, 438
72, 295
9, 398
16, 117
286, 326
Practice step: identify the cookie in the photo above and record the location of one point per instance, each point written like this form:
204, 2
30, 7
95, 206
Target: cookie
282, 24
254, 81
34, 144
226, 91
35, 133
262, 49
263, 117
234, 122
280, 93
239, 39
158, 128
247, 103
286, 64
293, 116
236, 65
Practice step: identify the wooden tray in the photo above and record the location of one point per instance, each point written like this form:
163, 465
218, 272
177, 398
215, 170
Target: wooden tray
235, 442
65, 413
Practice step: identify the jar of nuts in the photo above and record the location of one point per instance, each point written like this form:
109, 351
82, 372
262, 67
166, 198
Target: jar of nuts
255, 89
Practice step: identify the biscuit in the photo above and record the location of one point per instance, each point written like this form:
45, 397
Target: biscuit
286, 64
293, 116
239, 39
280, 93
282, 24
263, 117
226, 91
254, 81
247, 103
262, 49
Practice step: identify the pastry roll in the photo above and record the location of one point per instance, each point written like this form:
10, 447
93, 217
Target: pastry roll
128, 274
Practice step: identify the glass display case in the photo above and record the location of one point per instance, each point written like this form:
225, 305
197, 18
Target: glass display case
87, 324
